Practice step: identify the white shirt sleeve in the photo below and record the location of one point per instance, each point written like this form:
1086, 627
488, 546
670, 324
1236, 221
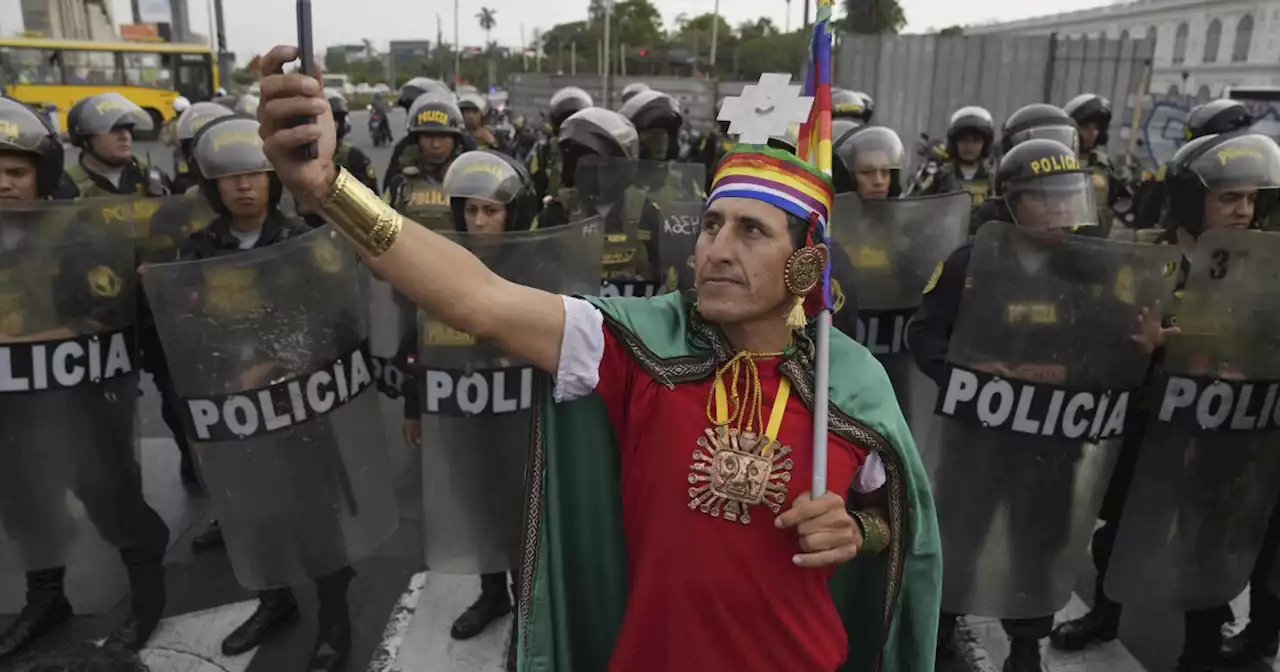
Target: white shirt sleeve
581, 350
578, 373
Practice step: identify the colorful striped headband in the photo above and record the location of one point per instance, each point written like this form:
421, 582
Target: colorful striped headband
776, 177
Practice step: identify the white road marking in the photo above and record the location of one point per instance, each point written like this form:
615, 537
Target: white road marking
426, 646
193, 642
384, 658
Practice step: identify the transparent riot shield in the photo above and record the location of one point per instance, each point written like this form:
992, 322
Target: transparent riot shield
269, 353
160, 225
681, 223
1208, 473
1043, 371
477, 405
884, 254
391, 327
70, 486
630, 197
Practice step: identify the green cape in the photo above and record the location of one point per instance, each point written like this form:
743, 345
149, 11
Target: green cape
573, 583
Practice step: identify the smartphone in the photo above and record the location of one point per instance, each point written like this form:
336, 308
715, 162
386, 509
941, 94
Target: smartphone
307, 57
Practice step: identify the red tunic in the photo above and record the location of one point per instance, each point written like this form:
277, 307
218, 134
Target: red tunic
705, 593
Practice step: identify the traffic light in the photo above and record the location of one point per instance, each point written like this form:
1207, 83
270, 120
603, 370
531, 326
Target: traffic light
644, 52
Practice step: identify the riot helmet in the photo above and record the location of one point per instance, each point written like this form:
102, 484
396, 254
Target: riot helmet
1241, 170
104, 113
432, 115
565, 103
226, 101
846, 104
787, 142
1039, 120
474, 108
27, 132
247, 105
868, 107
1045, 186
596, 131
873, 158
194, 119
221, 92
1090, 107
417, 87
632, 90
341, 112
1218, 116
181, 104
491, 176
972, 120
658, 119
840, 128
227, 147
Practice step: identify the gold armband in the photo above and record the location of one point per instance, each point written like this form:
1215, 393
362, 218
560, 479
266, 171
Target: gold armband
875, 532
352, 207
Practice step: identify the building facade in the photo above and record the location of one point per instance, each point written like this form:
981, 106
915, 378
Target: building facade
69, 19
1202, 46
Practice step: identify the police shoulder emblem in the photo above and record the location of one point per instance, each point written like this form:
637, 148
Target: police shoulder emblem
325, 256
933, 279
1170, 268
1124, 288
104, 283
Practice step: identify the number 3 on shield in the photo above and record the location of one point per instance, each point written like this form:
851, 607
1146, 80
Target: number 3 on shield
1220, 258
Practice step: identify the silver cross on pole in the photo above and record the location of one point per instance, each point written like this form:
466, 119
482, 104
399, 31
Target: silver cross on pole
766, 109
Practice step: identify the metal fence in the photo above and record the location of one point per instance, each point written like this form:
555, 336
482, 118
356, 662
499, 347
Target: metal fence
917, 81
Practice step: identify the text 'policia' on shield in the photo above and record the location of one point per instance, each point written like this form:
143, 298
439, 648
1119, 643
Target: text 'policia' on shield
281, 404
1221, 405
65, 363
1038, 409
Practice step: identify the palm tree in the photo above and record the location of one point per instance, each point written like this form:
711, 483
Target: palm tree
487, 21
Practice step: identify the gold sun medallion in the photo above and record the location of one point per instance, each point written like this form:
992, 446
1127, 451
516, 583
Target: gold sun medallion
734, 470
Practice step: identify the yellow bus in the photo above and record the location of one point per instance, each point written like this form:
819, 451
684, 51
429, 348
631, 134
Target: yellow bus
57, 73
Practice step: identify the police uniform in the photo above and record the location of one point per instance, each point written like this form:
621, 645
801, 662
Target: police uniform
658, 120
868, 146
1203, 163
474, 101
1027, 315
346, 155
185, 128
225, 148
546, 162
1086, 108
951, 175
87, 293
415, 189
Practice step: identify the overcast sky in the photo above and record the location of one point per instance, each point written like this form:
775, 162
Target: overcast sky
254, 25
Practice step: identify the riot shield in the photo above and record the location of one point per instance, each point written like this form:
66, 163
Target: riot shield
392, 320
630, 197
884, 254
681, 223
70, 486
1042, 371
269, 353
160, 225
477, 405
1208, 473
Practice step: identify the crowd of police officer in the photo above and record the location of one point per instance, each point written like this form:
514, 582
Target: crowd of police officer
230, 202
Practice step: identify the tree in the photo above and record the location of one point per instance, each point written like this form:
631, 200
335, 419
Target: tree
698, 29
636, 23
873, 16
761, 27
952, 31
487, 23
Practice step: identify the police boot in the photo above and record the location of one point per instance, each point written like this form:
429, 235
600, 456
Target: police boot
146, 599
47, 608
1251, 645
208, 540
333, 639
494, 603
947, 636
1202, 641
277, 608
1099, 625
1024, 655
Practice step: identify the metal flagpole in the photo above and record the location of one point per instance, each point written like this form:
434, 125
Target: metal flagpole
457, 49
820, 152
604, 85
715, 26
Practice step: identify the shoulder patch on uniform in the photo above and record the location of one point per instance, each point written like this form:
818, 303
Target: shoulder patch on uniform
933, 279
1170, 268
104, 283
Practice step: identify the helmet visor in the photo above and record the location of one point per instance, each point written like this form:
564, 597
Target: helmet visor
196, 117
232, 147
482, 175
1244, 162
1061, 201
1067, 135
875, 148
103, 113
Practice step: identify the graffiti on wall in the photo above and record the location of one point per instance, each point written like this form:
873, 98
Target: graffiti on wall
1163, 127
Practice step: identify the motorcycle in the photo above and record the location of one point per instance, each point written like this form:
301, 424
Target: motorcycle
379, 128
933, 155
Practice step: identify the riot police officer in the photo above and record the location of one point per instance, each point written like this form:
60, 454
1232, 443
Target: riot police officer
106, 478
489, 193
1038, 120
348, 156
851, 105
475, 110
970, 136
631, 91
238, 182
1045, 203
1092, 114
658, 120
1227, 181
545, 161
417, 87
102, 128
436, 136
184, 131
871, 163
